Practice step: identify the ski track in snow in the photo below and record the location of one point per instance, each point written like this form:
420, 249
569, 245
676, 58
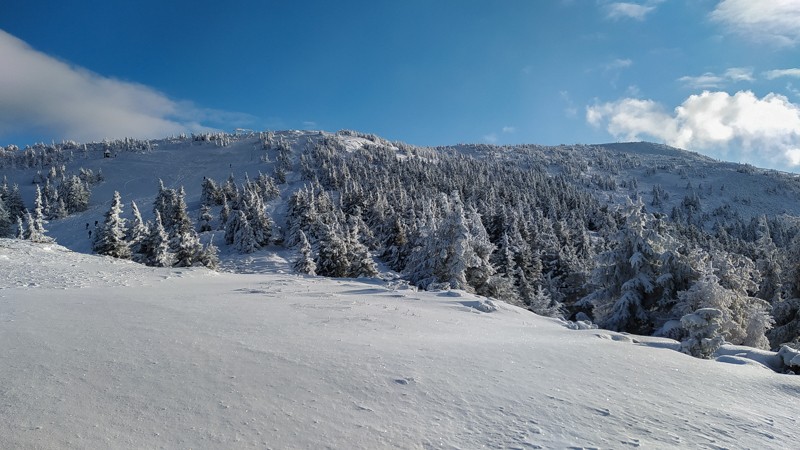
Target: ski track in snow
99, 353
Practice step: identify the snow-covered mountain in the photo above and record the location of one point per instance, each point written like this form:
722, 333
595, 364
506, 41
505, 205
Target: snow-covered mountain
640, 237
103, 353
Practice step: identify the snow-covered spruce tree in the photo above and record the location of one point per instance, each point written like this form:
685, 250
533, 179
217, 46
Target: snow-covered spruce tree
260, 222
626, 277
211, 194
155, 249
224, 214
14, 203
361, 262
243, 238
136, 234
704, 332
36, 229
5, 220
188, 251
305, 260
205, 218
743, 320
209, 257
332, 258
109, 238
542, 304
75, 194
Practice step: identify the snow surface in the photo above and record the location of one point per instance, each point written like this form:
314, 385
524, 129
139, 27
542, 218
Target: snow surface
100, 353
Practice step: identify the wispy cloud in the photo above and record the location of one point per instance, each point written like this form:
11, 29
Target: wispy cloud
778, 73
41, 94
710, 80
738, 127
618, 64
490, 138
509, 129
774, 21
630, 10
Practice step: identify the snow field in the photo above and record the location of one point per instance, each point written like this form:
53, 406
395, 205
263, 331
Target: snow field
136, 357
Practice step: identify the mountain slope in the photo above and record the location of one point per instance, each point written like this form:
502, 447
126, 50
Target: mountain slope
99, 353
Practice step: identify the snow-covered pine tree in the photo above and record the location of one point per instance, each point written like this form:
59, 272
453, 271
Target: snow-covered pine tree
361, 262
256, 213
704, 332
224, 214
136, 234
205, 218
305, 261
36, 227
75, 194
242, 236
211, 194
743, 320
109, 238
14, 203
626, 276
332, 260
209, 257
543, 305
5, 220
156, 247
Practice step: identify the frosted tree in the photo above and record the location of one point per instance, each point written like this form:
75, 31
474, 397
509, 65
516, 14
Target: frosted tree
704, 332
5, 220
258, 219
155, 249
109, 238
36, 231
332, 260
361, 262
243, 237
75, 194
14, 203
211, 194
542, 304
205, 218
627, 276
224, 214
743, 320
305, 260
136, 234
209, 257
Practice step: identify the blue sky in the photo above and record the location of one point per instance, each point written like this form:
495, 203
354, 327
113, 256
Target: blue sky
717, 76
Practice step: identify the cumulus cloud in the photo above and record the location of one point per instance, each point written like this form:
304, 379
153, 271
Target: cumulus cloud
778, 73
711, 80
761, 20
740, 127
44, 95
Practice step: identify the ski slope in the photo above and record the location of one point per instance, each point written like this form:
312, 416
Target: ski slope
102, 353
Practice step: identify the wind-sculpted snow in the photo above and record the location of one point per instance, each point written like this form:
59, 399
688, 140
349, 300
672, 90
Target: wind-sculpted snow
165, 358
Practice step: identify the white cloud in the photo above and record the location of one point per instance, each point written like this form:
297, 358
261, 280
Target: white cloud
777, 73
490, 138
740, 127
740, 74
44, 95
626, 10
619, 64
508, 129
711, 80
773, 21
